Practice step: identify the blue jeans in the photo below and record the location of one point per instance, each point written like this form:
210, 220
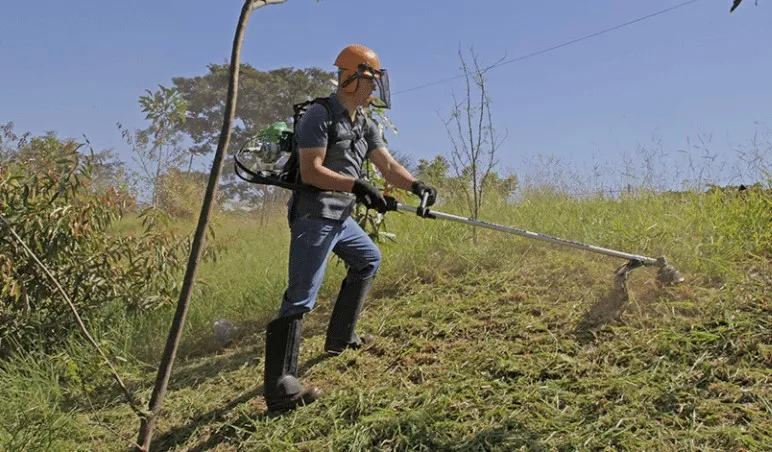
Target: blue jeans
311, 242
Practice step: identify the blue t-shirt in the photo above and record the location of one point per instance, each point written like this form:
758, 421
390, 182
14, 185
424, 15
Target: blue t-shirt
354, 142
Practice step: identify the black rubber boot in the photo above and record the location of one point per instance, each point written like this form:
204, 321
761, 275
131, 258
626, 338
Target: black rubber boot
343, 321
283, 391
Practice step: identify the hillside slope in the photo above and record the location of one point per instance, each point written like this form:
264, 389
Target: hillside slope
503, 344
495, 359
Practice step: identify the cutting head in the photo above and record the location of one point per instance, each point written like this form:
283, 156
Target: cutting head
667, 274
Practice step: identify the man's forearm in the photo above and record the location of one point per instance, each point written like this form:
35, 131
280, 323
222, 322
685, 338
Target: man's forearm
326, 179
398, 176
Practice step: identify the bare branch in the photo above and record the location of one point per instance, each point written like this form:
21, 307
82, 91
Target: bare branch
260, 3
474, 142
480, 80
492, 162
456, 158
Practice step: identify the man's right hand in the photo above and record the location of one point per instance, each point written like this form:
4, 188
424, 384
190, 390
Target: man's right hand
369, 195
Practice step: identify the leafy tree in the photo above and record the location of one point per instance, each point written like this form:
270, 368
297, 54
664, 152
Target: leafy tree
501, 187
434, 171
157, 147
45, 153
264, 97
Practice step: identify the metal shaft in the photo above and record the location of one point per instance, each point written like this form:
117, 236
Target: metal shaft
534, 235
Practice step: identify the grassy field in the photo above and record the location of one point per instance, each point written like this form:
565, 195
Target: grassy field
487, 346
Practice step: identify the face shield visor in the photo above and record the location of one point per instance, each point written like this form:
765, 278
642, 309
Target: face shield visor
381, 79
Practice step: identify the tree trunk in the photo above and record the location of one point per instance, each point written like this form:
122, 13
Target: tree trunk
159, 145
165, 368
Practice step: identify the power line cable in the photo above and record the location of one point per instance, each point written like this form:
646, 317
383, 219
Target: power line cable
559, 46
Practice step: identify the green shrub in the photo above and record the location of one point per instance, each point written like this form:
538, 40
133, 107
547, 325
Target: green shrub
180, 194
65, 219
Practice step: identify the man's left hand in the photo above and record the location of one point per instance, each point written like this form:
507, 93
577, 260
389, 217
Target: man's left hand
419, 188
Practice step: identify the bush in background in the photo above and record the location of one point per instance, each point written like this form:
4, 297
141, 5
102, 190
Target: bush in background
49, 197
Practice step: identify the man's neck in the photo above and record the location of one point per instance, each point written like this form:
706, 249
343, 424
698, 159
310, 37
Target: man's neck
350, 105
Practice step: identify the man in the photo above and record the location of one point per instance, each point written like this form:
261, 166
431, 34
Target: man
321, 222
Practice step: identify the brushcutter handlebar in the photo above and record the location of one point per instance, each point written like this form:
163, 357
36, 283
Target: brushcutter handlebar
392, 205
422, 211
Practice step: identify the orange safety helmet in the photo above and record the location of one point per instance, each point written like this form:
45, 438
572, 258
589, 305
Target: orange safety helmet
357, 61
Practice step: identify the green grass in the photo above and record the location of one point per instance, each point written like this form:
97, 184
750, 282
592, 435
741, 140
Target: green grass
480, 347
34, 416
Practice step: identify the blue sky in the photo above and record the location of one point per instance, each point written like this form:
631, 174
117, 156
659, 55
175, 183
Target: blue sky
79, 67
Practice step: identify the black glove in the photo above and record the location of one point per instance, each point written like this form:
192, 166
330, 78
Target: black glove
419, 188
369, 195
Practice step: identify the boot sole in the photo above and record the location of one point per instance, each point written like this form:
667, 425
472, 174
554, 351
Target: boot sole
304, 398
337, 349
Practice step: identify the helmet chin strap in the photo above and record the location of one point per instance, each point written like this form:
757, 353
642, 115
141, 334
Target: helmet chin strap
350, 79
355, 76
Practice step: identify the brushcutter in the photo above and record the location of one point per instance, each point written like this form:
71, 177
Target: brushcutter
267, 167
666, 274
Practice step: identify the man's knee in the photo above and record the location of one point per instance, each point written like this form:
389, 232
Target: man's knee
373, 263
377, 260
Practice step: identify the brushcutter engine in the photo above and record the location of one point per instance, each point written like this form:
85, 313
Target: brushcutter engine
263, 159
267, 157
